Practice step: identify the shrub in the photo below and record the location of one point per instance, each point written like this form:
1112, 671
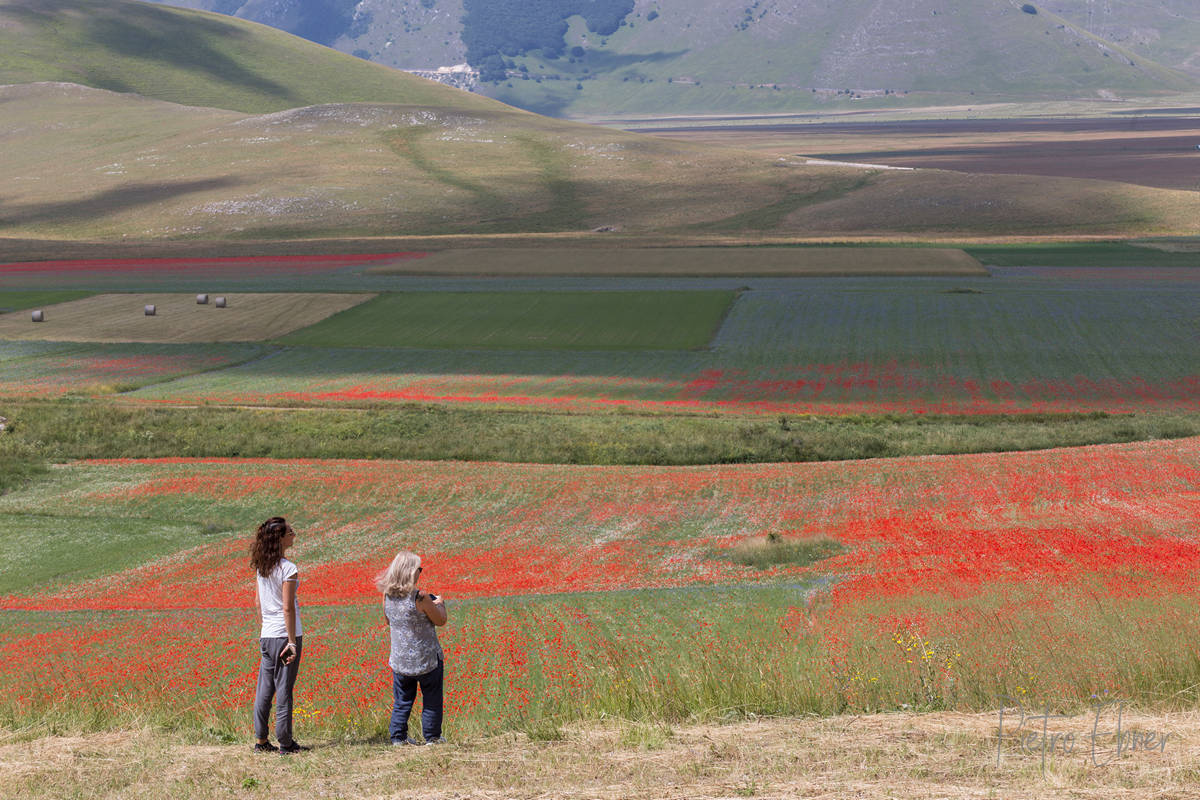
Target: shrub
763, 552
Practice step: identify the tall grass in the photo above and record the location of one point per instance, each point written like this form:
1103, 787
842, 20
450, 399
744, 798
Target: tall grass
773, 549
658, 657
66, 429
18, 466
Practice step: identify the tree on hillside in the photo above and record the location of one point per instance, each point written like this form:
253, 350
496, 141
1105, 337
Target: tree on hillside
493, 29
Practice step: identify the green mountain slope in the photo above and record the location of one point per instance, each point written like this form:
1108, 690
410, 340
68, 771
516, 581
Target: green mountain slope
84, 163
671, 56
193, 58
775, 56
1165, 31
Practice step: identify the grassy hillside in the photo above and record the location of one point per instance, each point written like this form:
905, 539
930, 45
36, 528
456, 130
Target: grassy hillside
88, 164
773, 56
690, 56
193, 58
1166, 31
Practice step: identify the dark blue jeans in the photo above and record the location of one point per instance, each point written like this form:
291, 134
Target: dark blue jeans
404, 693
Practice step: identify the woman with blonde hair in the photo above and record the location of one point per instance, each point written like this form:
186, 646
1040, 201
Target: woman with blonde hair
416, 657
280, 637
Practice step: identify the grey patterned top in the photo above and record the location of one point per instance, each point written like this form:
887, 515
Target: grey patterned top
415, 646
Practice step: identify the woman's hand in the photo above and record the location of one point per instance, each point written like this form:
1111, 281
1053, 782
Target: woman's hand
288, 654
434, 607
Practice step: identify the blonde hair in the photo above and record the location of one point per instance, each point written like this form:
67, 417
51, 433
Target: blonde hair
400, 578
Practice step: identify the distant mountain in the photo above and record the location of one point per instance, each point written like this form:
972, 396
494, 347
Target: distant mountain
580, 57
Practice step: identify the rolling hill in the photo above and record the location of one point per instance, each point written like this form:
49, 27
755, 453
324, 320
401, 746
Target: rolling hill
198, 126
84, 163
194, 58
619, 57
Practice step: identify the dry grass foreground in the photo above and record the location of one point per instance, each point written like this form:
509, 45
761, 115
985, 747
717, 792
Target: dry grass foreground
247, 317
691, 261
937, 755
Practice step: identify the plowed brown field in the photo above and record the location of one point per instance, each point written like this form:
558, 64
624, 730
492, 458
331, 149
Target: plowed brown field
1148, 151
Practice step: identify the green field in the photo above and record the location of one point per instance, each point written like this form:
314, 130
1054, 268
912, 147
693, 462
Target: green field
525, 321
38, 550
16, 300
787, 346
1100, 254
800, 370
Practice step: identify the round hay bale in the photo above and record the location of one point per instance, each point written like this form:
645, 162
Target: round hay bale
202, 299
38, 316
219, 302
151, 311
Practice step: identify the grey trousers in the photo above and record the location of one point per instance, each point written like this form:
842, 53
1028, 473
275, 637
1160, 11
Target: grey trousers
275, 681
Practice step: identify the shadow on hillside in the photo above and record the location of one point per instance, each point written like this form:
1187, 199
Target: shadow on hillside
106, 203
102, 80
603, 61
152, 34
548, 105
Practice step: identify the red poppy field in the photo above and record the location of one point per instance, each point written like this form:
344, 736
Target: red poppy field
1058, 575
845, 388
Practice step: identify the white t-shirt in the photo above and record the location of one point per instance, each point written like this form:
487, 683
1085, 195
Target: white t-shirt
270, 598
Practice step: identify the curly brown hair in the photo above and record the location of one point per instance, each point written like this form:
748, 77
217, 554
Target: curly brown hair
267, 550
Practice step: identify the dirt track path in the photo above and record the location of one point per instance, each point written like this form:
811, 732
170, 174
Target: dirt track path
942, 755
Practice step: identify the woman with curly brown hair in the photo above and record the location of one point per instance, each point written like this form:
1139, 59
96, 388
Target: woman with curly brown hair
280, 638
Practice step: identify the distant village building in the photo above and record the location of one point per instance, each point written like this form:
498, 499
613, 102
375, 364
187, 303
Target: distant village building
460, 76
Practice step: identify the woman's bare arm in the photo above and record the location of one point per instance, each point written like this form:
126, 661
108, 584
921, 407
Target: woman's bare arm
289, 616
434, 608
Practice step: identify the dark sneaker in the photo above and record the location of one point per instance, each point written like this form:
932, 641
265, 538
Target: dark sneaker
405, 743
292, 747
435, 740
265, 747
